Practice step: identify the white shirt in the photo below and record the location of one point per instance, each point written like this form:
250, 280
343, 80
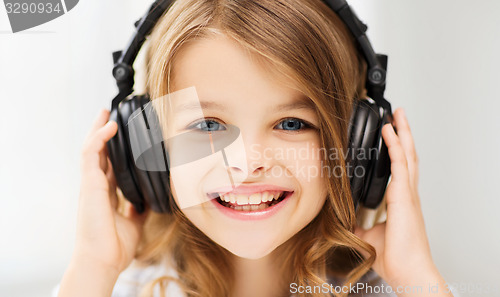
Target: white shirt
131, 281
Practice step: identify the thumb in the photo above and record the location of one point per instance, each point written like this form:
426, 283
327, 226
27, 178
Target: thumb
132, 215
374, 236
360, 233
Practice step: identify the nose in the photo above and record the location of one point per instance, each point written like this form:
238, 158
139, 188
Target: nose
246, 159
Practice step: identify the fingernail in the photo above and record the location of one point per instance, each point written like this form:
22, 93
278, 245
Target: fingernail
392, 127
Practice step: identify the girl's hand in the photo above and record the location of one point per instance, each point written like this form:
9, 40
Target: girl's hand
104, 237
403, 253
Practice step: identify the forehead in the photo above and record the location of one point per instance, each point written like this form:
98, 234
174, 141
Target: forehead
224, 71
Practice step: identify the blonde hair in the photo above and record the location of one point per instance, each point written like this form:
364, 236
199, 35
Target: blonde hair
307, 43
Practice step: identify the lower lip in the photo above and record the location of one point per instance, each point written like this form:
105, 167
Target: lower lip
252, 215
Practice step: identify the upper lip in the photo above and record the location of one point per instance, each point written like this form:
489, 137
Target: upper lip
249, 189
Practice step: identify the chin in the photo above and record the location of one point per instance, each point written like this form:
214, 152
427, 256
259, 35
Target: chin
251, 248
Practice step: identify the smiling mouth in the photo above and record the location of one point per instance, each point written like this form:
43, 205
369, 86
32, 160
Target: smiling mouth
253, 202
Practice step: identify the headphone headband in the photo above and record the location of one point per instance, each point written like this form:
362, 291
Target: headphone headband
377, 63
123, 71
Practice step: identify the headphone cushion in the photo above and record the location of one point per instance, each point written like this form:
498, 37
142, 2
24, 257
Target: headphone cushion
140, 179
119, 157
155, 161
364, 131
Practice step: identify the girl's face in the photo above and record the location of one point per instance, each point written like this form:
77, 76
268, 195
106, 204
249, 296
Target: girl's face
267, 184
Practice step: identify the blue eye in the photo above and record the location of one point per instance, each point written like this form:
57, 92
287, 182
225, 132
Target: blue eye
292, 124
208, 125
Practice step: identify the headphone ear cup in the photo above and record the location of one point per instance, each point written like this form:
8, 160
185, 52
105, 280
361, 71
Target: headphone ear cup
381, 169
118, 151
155, 157
364, 134
140, 179
138, 138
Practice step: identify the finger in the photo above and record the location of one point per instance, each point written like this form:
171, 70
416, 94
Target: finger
375, 236
92, 151
112, 186
93, 175
99, 121
399, 164
360, 232
131, 214
103, 158
406, 138
94, 183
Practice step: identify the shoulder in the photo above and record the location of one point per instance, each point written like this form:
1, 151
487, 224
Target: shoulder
132, 280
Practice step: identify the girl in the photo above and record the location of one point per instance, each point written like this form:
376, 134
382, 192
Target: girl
285, 73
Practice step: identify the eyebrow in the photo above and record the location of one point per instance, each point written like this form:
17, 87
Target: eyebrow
203, 105
296, 104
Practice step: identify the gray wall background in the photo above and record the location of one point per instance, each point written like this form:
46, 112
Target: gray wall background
443, 69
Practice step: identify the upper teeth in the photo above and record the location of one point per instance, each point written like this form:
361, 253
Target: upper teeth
256, 198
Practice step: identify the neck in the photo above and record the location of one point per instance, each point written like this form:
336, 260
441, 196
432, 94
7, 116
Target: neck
258, 277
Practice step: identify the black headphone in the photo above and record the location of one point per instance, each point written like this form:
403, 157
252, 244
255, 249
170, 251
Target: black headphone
143, 184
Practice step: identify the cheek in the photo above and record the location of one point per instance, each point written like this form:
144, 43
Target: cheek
312, 199
307, 169
303, 162
191, 181
185, 185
